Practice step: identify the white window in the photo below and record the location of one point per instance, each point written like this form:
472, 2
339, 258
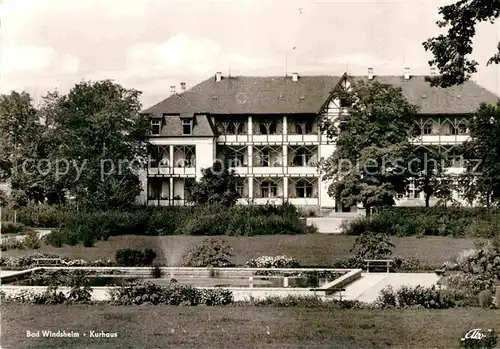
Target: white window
302, 157
240, 188
155, 127
304, 128
427, 130
461, 129
264, 158
237, 159
304, 189
413, 192
268, 189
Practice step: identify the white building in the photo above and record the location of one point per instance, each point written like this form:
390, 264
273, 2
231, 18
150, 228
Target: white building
268, 127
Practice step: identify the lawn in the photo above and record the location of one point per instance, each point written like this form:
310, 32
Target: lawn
240, 327
312, 249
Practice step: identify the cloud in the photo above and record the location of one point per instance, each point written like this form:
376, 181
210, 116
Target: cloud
69, 64
26, 59
181, 52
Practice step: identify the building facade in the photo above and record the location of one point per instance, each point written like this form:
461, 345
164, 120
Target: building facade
268, 129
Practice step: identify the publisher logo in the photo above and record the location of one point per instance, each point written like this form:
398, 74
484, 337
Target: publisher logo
477, 338
475, 334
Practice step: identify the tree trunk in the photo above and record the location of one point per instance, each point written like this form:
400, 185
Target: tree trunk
427, 199
368, 211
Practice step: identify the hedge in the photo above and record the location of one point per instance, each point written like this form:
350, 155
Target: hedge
438, 221
76, 226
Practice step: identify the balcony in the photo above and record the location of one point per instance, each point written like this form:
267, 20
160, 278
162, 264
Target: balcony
156, 202
161, 170
309, 138
233, 138
268, 170
442, 139
302, 170
243, 170
304, 201
186, 171
268, 201
267, 138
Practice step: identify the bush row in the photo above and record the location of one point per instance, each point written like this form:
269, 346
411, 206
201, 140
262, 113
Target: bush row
75, 227
173, 294
439, 221
30, 240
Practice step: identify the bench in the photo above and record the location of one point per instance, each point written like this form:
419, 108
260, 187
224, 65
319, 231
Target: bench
440, 272
47, 261
387, 263
328, 291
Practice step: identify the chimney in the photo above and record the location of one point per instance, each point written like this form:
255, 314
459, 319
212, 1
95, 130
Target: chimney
295, 77
433, 71
370, 73
172, 89
183, 86
407, 73
218, 76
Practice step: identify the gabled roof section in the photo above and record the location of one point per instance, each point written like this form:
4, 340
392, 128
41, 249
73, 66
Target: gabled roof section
172, 126
461, 99
175, 104
253, 95
308, 95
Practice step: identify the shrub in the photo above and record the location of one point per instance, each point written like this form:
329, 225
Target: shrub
31, 240
87, 227
443, 221
411, 297
11, 243
173, 294
497, 296
156, 273
44, 216
273, 262
304, 302
353, 262
212, 252
485, 299
387, 298
13, 228
130, 257
372, 246
464, 287
402, 264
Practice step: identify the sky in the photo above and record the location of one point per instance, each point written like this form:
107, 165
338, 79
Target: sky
150, 45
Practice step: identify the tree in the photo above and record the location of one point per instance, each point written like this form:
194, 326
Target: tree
3, 199
452, 51
372, 246
100, 141
20, 145
213, 252
481, 179
217, 185
370, 161
445, 185
429, 174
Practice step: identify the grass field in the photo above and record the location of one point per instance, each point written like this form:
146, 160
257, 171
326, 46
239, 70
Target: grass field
313, 249
240, 327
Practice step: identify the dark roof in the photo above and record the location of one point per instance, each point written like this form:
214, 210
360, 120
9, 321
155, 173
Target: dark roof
202, 126
461, 99
253, 95
281, 95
